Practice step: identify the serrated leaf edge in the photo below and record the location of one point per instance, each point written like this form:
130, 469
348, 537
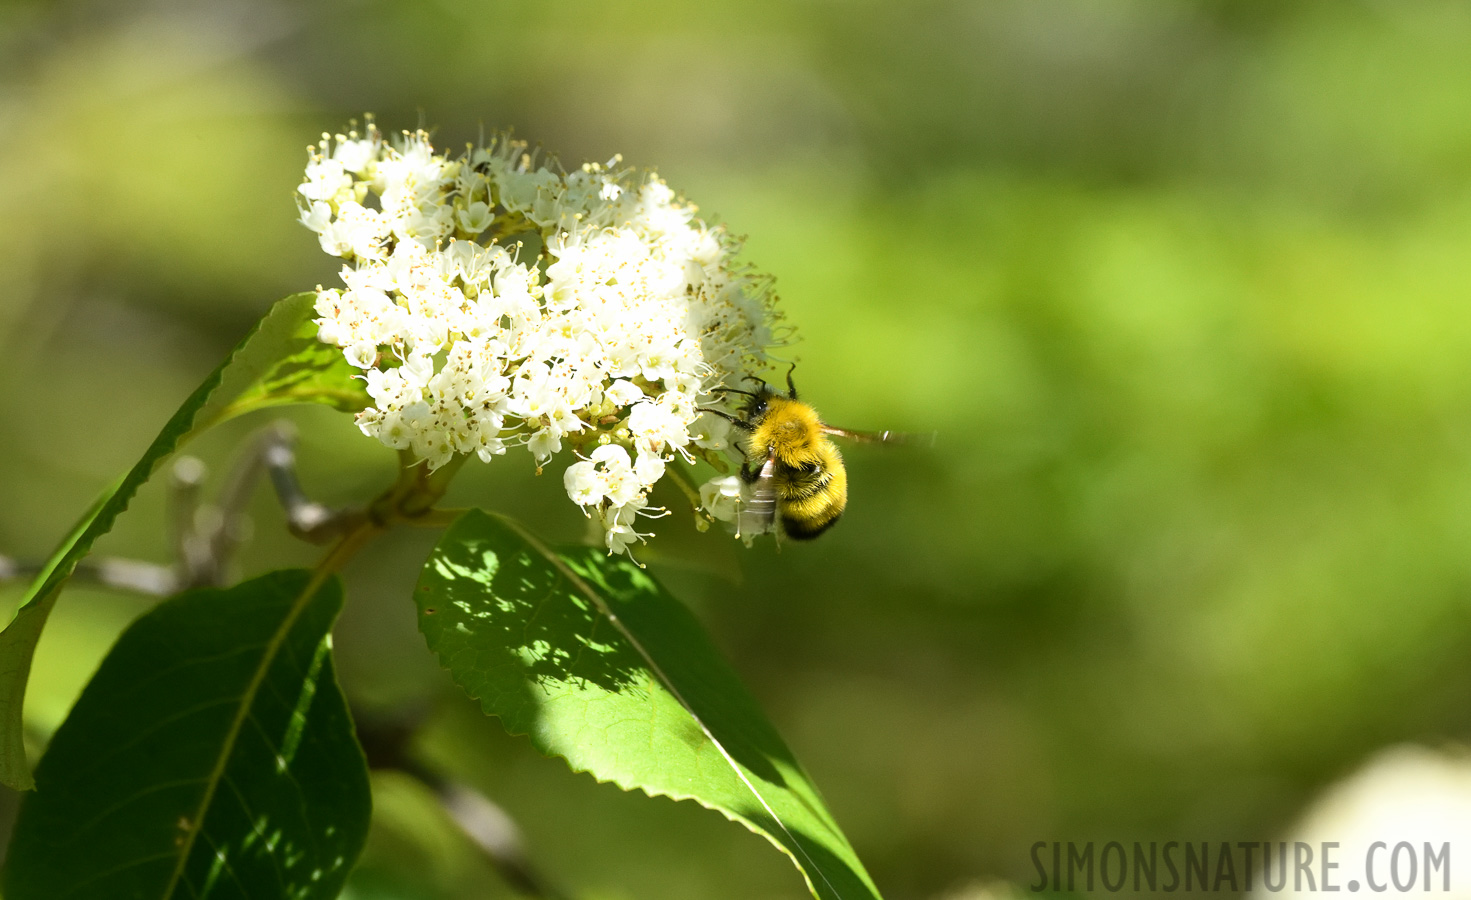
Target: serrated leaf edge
586, 590
191, 418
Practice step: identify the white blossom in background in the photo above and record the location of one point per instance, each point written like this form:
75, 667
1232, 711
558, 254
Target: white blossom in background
1413, 801
495, 302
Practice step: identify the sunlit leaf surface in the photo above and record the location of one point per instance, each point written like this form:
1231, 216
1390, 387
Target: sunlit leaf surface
277, 363
284, 363
211, 756
597, 663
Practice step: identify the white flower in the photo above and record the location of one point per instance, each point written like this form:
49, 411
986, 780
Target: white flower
326, 180
476, 217
721, 497
620, 533
710, 432
612, 341
544, 444
622, 392
317, 216
355, 155
648, 468
619, 537
584, 483
657, 425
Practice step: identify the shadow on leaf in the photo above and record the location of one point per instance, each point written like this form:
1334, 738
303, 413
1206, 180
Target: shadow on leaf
594, 661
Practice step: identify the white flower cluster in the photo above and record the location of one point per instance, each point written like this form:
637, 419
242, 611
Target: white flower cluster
495, 301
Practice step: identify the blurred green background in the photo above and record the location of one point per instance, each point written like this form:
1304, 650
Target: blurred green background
1183, 288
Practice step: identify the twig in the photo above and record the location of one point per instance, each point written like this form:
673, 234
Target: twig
208, 536
485, 823
121, 574
192, 556
307, 519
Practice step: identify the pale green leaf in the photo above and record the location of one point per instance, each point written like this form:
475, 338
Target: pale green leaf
595, 662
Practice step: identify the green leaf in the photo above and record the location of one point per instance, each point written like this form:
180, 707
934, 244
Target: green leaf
211, 755
278, 362
597, 663
283, 363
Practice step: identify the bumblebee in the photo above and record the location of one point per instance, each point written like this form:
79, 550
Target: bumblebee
793, 472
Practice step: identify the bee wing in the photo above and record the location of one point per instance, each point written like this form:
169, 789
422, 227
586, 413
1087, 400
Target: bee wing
758, 510
882, 437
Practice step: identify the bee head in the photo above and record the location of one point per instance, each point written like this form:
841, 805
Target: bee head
757, 404
757, 401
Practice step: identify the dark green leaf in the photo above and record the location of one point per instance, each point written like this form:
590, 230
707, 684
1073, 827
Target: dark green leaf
211, 755
277, 363
593, 660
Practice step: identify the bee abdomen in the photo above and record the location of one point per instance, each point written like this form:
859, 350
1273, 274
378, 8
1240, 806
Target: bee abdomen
795, 485
809, 513
805, 529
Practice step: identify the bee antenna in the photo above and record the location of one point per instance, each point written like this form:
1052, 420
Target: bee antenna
726, 390
791, 388
739, 423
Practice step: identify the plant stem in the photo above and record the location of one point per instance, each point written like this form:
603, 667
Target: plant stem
342, 551
685, 484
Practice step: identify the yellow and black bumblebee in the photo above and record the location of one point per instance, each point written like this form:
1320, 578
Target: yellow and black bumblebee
791, 469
